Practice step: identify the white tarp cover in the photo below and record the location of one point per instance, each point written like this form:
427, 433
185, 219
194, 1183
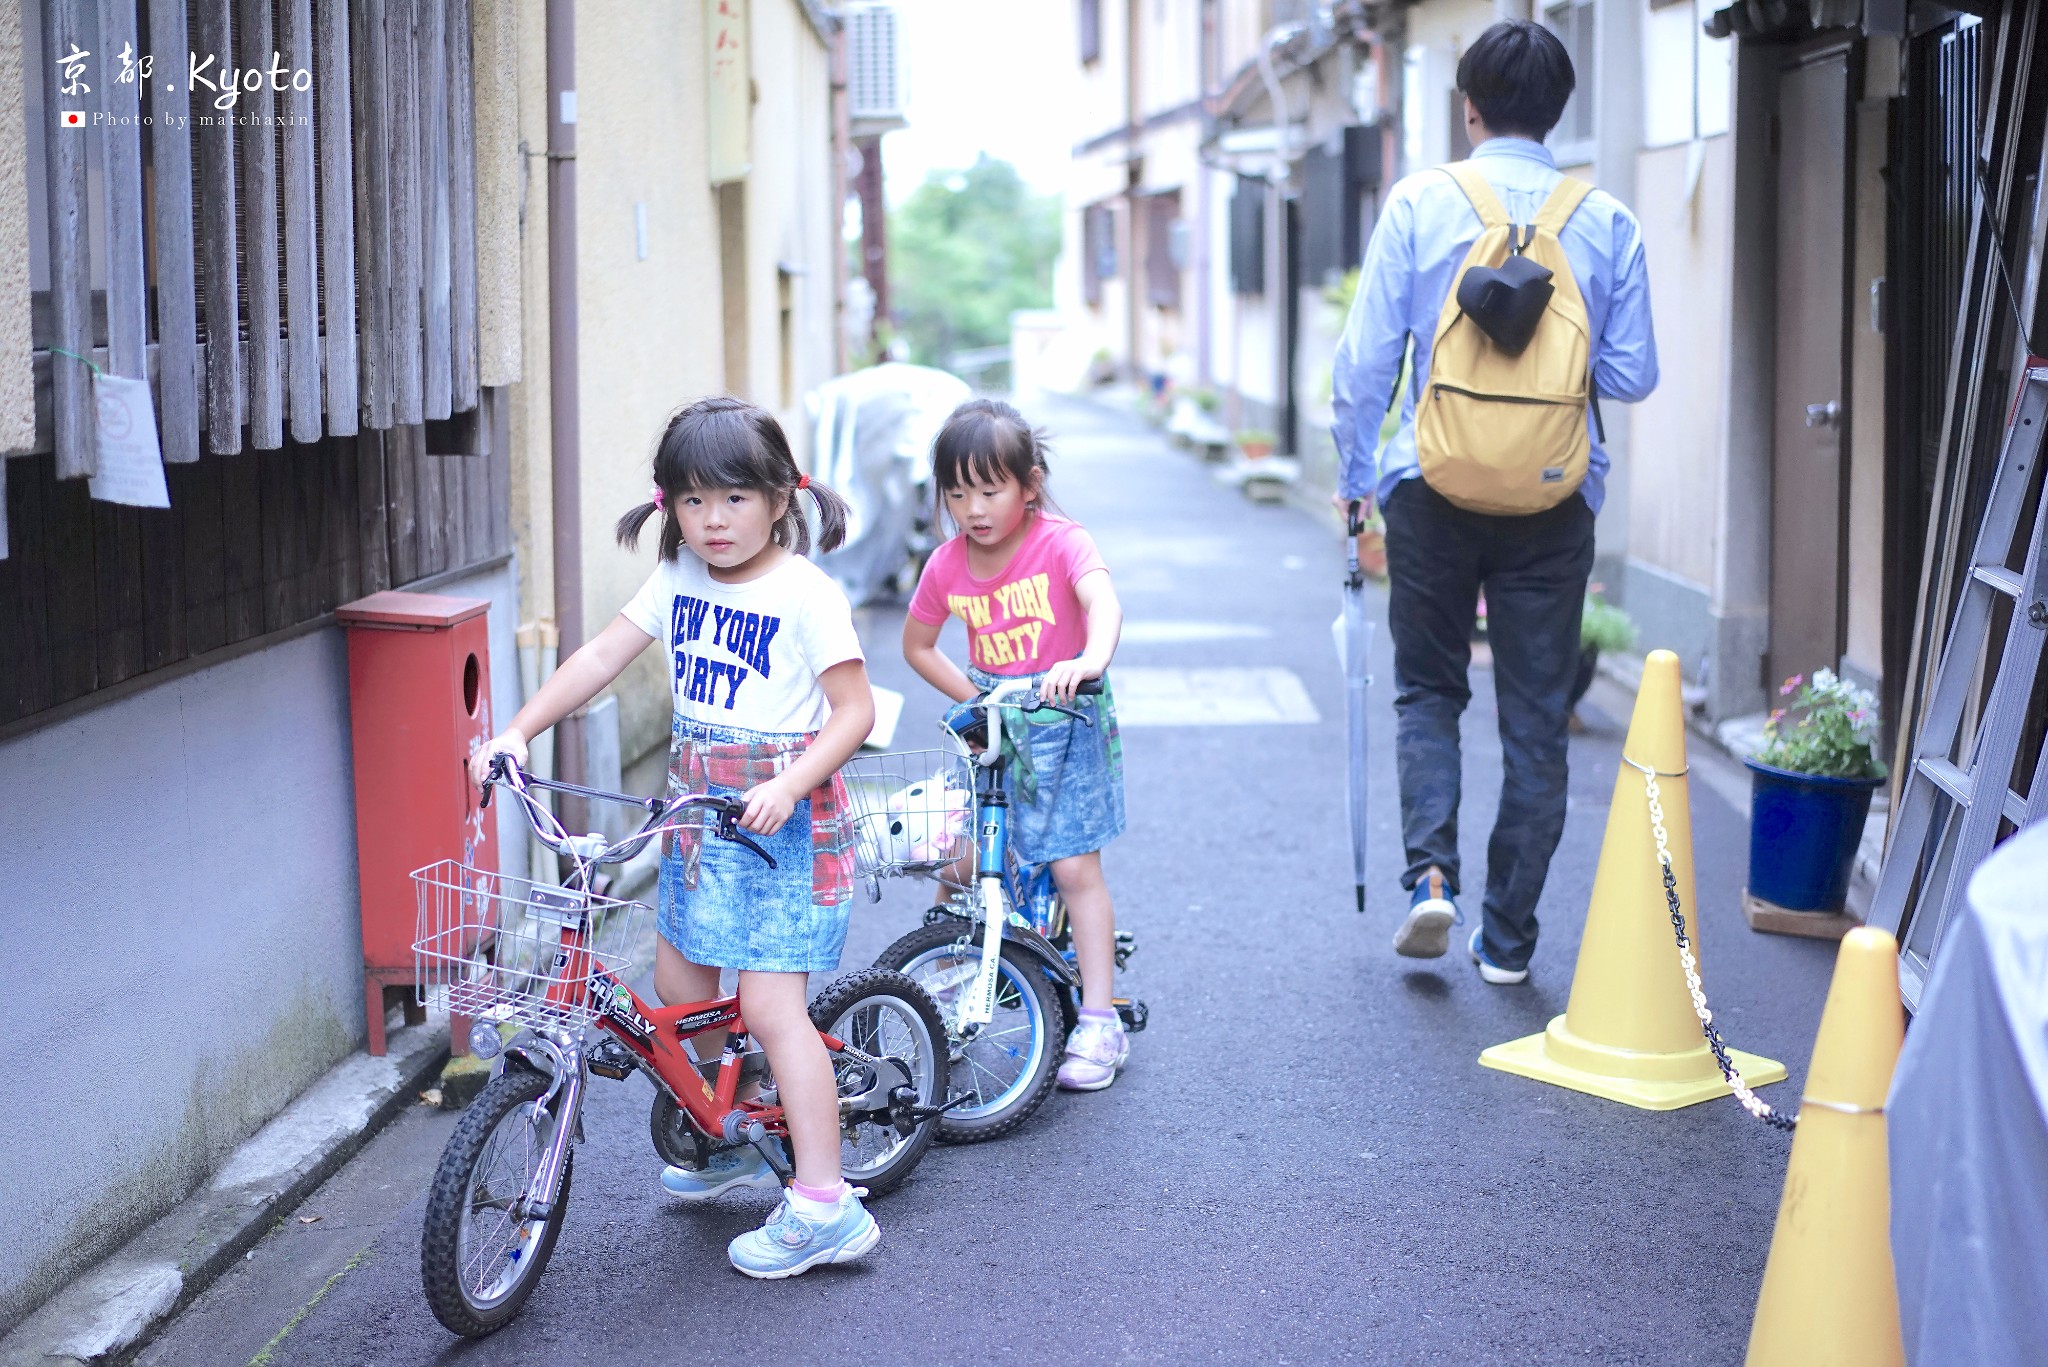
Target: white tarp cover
1968, 1126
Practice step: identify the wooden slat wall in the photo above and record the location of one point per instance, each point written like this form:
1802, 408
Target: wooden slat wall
121, 152
337, 190
432, 87
301, 227
217, 231
373, 208
462, 308
256, 142
256, 540
402, 101
177, 323
66, 26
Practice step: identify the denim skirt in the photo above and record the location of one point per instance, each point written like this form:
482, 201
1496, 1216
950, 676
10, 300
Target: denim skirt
718, 902
1066, 777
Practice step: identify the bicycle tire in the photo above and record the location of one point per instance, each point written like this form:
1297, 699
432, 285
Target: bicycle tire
441, 1232
1021, 970
874, 986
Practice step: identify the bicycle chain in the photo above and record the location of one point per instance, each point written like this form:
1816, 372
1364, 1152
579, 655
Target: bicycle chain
1751, 1102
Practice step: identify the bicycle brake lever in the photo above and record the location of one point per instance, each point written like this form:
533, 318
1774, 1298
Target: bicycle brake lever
729, 829
1044, 706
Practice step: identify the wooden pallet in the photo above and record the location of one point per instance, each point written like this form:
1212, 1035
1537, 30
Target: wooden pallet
1772, 919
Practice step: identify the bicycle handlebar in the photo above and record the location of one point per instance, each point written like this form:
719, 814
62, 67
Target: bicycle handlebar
506, 771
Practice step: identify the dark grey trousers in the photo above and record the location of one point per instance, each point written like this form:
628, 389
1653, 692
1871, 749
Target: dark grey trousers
1533, 570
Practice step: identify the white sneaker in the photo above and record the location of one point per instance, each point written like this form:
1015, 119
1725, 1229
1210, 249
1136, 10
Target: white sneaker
1490, 971
1095, 1051
1426, 934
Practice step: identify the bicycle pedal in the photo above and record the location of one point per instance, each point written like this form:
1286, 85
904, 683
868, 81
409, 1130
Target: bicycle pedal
1132, 1013
611, 1059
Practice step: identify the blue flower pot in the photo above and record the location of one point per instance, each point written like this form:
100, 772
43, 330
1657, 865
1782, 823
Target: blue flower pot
1803, 834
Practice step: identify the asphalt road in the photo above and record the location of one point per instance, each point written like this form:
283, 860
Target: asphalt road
1303, 1162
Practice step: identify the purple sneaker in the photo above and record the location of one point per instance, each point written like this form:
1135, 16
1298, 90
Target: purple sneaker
1095, 1051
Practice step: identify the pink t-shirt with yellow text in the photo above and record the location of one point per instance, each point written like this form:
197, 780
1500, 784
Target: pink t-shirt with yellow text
1025, 618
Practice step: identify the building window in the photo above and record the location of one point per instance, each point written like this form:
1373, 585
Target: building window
1091, 31
1248, 236
1098, 250
1572, 22
1165, 250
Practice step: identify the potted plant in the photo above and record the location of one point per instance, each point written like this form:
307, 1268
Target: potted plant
1602, 626
1810, 789
1255, 444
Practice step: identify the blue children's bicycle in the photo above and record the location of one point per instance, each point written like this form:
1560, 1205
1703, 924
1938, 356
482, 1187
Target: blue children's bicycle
996, 954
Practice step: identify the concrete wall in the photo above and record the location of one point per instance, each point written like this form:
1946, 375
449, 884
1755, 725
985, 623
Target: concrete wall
1864, 653
790, 219
650, 334
180, 915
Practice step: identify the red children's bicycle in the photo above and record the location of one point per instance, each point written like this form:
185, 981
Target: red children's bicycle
535, 966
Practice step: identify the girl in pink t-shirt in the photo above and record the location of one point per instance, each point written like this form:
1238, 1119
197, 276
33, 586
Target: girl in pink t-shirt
1035, 598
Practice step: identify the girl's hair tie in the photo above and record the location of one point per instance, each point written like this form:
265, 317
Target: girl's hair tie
656, 495
803, 481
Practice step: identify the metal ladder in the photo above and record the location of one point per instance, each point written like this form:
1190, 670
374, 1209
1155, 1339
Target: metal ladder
1956, 793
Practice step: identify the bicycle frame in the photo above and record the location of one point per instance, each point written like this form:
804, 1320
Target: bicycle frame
993, 876
653, 1035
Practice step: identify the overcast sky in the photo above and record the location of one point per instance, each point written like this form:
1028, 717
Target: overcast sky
984, 76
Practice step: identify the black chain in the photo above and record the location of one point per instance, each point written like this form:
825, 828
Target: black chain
1751, 1102
1768, 1114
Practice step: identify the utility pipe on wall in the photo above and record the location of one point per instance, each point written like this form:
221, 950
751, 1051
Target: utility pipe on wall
565, 416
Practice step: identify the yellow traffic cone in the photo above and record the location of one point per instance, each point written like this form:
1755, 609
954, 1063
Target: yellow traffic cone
1830, 1298
1628, 1032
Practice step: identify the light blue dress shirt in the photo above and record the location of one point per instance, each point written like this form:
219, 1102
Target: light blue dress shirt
1423, 234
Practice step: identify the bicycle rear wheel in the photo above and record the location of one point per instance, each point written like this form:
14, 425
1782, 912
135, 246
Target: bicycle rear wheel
481, 1251
1007, 1065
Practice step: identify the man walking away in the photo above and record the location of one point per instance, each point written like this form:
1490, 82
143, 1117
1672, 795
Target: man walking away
1493, 479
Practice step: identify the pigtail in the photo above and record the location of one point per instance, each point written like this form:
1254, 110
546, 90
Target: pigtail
628, 529
832, 518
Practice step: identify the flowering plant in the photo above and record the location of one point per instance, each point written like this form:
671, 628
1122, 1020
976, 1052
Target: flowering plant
1829, 729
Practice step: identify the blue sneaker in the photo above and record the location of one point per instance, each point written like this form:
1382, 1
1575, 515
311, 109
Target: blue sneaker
1426, 934
1489, 970
728, 1170
791, 1243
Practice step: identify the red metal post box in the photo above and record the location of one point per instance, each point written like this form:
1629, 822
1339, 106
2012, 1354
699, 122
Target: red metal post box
419, 685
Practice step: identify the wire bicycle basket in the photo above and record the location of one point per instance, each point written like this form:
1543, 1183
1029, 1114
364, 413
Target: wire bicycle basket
489, 946
913, 811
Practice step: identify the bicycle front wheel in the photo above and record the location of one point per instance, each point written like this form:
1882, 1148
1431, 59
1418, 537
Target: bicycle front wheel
1008, 1064
885, 1015
482, 1250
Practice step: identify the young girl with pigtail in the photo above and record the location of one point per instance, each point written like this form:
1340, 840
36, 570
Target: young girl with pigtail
1037, 603
771, 697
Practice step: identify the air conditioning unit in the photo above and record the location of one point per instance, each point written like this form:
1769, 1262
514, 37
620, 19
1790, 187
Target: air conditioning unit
874, 69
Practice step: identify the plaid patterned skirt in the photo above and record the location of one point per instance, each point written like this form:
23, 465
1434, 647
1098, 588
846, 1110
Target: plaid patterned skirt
719, 903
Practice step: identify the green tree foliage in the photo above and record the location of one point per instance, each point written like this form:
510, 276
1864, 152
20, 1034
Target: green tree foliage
966, 250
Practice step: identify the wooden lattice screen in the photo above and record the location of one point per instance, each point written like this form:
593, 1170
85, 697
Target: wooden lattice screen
331, 236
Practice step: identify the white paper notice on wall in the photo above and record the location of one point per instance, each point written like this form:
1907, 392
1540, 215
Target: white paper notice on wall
131, 461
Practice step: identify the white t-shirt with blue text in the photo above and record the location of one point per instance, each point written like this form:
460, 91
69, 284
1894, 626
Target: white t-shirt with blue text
748, 655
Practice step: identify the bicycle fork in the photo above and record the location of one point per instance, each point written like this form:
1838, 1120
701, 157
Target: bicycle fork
563, 1100
980, 1007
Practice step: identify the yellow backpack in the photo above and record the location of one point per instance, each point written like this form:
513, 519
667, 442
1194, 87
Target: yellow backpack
1506, 433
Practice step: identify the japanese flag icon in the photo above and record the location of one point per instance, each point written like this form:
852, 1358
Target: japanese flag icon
71, 118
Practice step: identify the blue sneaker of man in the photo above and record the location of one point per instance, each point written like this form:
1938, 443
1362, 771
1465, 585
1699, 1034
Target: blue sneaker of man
791, 1243
728, 1170
1491, 971
1426, 934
